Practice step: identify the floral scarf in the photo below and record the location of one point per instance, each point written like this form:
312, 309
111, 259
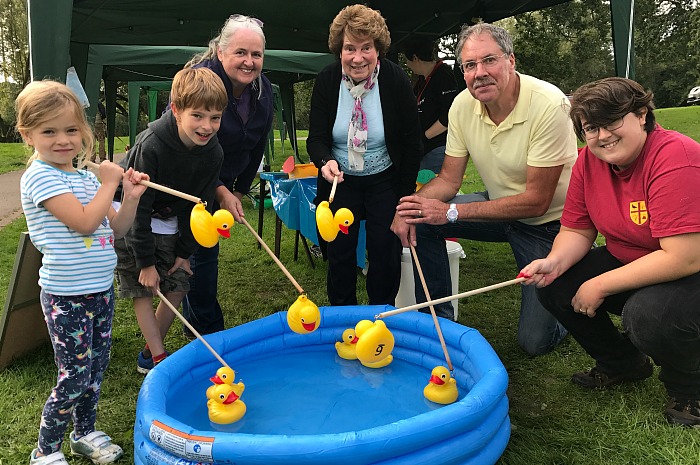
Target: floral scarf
357, 131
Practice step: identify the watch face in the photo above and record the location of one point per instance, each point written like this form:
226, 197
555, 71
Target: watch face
452, 214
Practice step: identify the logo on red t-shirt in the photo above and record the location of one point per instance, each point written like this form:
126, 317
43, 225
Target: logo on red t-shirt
638, 212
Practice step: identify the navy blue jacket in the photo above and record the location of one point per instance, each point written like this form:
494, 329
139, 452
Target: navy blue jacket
243, 144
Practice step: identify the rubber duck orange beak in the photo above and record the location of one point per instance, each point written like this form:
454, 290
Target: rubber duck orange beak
231, 398
216, 380
343, 228
225, 232
354, 341
435, 379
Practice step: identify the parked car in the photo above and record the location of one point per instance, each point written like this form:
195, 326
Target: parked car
693, 96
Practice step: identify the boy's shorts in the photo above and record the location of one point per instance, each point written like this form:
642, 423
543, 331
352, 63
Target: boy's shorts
128, 273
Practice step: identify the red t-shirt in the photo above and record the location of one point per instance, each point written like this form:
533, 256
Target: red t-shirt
657, 196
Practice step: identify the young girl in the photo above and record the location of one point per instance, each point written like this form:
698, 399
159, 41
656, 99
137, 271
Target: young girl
71, 222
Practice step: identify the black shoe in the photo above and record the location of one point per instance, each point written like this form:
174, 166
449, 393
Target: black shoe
685, 412
596, 379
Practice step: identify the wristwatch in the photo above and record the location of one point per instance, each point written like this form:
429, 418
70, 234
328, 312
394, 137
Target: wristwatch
452, 213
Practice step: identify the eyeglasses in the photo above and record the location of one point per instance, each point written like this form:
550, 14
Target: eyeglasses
591, 132
487, 62
244, 19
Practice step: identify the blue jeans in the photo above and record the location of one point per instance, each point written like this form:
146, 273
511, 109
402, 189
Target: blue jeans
201, 307
538, 331
433, 160
661, 320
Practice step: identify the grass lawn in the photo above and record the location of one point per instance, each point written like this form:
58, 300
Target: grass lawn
554, 422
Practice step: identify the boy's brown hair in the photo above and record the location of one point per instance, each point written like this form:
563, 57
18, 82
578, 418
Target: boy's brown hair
198, 88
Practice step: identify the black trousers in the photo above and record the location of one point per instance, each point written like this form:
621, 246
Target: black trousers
662, 321
370, 198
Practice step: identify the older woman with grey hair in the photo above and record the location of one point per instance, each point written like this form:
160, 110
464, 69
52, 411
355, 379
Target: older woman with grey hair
236, 56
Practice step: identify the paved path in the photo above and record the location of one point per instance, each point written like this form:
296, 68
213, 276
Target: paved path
10, 204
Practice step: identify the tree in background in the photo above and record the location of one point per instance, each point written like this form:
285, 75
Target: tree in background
567, 45
571, 44
667, 48
14, 62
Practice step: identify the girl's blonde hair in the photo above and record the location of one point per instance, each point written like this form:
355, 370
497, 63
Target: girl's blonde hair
42, 101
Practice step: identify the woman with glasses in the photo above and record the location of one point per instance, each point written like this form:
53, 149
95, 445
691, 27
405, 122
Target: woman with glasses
236, 56
638, 185
364, 130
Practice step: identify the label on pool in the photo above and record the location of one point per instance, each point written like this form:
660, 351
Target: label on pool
185, 445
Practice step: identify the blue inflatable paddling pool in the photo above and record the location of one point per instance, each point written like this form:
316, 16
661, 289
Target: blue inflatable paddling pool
306, 405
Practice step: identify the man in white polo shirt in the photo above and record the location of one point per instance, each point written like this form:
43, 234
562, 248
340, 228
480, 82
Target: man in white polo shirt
517, 131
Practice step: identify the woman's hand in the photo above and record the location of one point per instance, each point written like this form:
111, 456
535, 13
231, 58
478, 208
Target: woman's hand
540, 272
231, 202
183, 263
588, 297
330, 170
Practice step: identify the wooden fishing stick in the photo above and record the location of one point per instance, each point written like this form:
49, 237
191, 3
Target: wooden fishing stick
191, 328
432, 309
277, 260
158, 187
335, 184
451, 297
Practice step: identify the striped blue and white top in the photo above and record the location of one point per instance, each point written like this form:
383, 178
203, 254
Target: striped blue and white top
73, 263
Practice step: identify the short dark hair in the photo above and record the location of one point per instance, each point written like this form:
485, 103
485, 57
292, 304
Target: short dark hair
422, 47
606, 100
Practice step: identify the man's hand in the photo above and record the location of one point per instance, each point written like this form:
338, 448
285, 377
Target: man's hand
415, 209
406, 232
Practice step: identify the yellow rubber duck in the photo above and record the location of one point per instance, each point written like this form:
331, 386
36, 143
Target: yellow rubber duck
225, 375
346, 347
375, 343
303, 316
329, 224
207, 228
225, 407
442, 387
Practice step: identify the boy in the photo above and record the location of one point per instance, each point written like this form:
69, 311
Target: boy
180, 150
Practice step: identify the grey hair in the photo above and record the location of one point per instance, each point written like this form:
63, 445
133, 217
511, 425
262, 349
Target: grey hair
221, 42
500, 35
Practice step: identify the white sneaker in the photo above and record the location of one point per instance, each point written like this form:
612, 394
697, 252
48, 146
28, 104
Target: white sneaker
57, 458
96, 446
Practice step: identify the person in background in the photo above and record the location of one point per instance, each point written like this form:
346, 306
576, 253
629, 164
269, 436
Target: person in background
364, 129
638, 185
72, 223
435, 89
516, 130
236, 56
179, 150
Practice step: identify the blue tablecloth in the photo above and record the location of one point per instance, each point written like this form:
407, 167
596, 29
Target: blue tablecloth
293, 201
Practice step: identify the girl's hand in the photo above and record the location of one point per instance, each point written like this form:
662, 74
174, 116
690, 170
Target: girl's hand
110, 173
131, 183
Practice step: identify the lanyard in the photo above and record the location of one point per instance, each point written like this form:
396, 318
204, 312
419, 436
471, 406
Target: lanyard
427, 80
